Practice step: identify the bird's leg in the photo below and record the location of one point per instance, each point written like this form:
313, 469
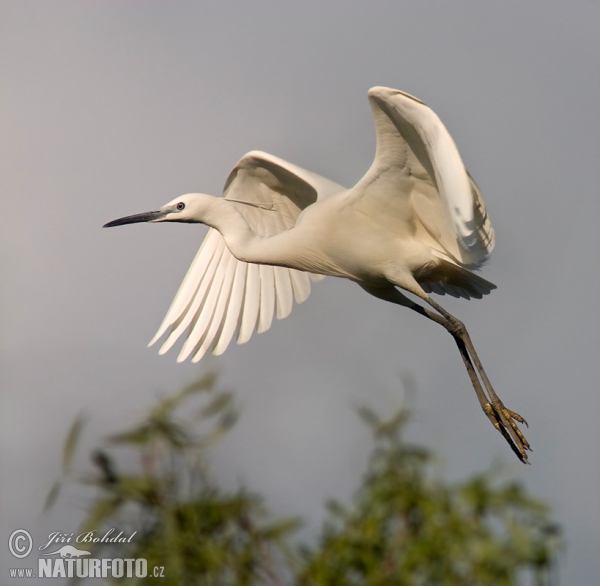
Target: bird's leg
503, 419
494, 416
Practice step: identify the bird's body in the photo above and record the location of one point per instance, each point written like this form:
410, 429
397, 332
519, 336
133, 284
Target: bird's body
416, 221
328, 238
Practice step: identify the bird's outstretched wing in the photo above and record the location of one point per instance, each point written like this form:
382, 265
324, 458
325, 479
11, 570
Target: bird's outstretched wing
440, 200
221, 294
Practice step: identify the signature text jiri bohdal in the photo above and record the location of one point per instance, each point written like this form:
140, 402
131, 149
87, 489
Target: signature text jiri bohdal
110, 536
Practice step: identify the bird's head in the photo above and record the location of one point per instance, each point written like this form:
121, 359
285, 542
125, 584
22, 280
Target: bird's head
185, 208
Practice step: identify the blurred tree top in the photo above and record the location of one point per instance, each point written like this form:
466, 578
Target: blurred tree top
404, 526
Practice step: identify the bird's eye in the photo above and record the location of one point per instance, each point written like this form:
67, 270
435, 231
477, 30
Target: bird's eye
180, 206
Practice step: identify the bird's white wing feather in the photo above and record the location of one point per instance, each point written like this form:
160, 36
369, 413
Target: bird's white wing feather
221, 294
446, 206
251, 305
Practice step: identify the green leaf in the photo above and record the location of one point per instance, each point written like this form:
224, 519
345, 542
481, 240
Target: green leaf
219, 403
52, 495
71, 442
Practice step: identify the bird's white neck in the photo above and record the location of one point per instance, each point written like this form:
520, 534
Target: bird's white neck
241, 240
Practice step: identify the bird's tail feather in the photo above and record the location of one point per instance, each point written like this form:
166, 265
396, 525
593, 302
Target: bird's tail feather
448, 278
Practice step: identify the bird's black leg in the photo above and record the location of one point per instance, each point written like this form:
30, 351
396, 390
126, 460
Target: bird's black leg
503, 419
494, 416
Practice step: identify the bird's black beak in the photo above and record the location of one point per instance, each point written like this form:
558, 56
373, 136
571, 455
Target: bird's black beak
136, 218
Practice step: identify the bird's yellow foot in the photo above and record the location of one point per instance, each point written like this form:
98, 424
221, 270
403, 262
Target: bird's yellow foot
505, 421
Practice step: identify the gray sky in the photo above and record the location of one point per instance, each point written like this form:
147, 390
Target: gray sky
111, 108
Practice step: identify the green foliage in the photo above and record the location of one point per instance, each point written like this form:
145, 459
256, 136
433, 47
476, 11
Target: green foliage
182, 522
404, 527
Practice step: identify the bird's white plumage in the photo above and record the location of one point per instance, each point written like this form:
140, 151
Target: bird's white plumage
417, 186
412, 140
220, 293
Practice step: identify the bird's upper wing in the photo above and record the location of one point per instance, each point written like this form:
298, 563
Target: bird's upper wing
445, 207
221, 294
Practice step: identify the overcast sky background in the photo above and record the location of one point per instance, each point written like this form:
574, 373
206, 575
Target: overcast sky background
110, 108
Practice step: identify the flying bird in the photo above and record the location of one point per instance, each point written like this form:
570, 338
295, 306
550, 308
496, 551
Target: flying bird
416, 222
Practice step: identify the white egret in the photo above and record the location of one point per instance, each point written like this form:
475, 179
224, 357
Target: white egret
415, 221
